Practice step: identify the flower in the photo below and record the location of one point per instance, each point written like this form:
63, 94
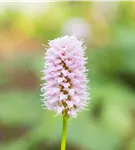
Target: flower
78, 27
65, 90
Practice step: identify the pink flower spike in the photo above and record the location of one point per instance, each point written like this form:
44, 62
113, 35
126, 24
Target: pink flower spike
65, 90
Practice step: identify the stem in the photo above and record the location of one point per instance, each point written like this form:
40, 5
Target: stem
64, 130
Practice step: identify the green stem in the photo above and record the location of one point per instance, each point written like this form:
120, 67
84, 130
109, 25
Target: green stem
64, 130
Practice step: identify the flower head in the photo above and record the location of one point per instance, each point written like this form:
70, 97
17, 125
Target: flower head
78, 27
65, 90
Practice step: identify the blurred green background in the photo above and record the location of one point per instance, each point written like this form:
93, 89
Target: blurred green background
108, 29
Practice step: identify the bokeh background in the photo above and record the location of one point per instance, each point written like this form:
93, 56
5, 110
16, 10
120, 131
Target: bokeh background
108, 29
